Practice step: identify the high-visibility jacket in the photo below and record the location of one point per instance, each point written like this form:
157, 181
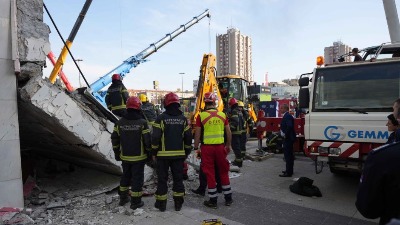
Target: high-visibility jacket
172, 136
213, 126
131, 138
116, 96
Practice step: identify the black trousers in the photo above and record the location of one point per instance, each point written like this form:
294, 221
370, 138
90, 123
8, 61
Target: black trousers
243, 142
289, 157
132, 175
176, 166
236, 145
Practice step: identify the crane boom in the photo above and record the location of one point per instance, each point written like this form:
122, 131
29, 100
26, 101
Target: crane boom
135, 60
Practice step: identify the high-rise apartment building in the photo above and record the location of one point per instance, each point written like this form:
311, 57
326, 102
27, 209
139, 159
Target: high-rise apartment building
332, 53
234, 55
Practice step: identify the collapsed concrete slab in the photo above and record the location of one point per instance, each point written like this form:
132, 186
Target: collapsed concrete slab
59, 125
52, 122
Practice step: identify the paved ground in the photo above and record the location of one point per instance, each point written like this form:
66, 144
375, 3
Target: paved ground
260, 197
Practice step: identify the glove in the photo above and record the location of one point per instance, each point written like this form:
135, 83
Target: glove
198, 154
117, 157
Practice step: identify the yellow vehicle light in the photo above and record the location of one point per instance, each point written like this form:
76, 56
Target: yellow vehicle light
320, 60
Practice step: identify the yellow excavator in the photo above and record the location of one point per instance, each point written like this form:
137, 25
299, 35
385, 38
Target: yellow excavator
225, 87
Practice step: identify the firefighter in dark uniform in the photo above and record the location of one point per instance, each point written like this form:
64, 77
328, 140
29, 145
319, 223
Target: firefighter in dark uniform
171, 144
379, 190
148, 109
116, 96
236, 123
211, 128
248, 124
131, 142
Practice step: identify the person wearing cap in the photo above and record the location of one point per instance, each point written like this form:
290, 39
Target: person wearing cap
236, 123
393, 126
210, 128
131, 140
116, 96
171, 143
357, 57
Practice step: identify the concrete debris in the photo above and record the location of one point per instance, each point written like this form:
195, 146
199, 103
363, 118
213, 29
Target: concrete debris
138, 212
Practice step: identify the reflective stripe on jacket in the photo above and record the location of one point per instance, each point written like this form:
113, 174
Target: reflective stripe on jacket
131, 139
116, 96
172, 136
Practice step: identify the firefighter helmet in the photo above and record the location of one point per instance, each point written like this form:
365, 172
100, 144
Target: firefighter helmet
171, 98
240, 104
232, 102
116, 76
133, 103
210, 97
143, 97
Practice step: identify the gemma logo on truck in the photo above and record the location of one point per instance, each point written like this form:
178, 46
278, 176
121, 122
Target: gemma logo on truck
337, 133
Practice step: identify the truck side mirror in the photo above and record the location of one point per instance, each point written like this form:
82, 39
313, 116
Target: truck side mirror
304, 97
304, 81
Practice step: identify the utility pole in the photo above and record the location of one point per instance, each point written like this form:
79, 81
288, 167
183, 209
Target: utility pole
182, 84
79, 76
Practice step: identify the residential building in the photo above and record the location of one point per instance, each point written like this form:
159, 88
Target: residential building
234, 54
332, 53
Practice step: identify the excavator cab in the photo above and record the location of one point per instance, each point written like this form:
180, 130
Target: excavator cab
232, 86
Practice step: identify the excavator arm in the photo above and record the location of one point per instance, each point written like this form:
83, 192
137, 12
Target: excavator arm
207, 83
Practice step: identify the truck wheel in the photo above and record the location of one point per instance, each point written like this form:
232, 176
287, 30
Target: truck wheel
337, 171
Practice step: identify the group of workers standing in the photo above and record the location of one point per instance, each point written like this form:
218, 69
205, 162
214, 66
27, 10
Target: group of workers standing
142, 135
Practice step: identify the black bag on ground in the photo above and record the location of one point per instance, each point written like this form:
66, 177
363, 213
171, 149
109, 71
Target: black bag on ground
304, 186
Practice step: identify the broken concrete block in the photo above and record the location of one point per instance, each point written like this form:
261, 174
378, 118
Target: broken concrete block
109, 199
54, 205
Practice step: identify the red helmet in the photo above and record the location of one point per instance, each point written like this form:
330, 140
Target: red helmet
232, 101
210, 97
133, 103
116, 76
171, 98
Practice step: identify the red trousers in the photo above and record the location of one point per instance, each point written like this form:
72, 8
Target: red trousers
214, 155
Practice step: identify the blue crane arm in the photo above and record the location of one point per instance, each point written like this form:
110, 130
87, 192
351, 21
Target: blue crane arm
135, 60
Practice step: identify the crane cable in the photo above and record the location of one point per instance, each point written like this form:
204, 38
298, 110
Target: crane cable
209, 33
65, 44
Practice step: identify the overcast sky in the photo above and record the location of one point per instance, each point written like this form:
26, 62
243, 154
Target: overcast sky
287, 35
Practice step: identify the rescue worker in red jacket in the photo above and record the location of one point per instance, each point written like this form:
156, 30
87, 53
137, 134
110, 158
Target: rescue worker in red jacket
210, 128
236, 123
116, 96
171, 144
131, 141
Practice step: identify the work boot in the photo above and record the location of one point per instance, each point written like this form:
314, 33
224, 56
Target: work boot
123, 197
178, 203
198, 192
237, 163
136, 202
228, 199
161, 205
212, 203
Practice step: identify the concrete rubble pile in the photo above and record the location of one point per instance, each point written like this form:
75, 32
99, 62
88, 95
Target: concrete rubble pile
63, 193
